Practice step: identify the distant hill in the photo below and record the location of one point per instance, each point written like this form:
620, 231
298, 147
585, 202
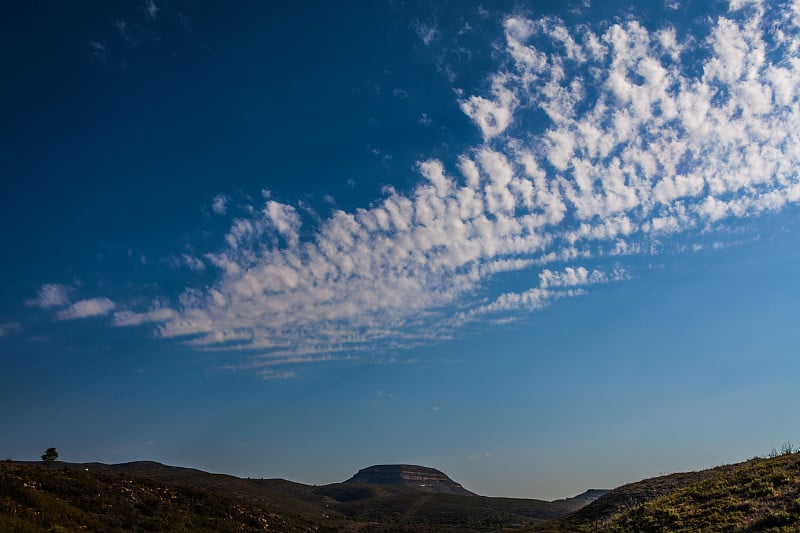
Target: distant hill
418, 477
149, 496
760, 495
586, 497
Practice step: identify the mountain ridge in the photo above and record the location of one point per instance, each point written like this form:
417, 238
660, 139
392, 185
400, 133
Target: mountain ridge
89, 490
761, 494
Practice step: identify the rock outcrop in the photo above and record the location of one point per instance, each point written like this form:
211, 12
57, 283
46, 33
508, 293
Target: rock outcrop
419, 477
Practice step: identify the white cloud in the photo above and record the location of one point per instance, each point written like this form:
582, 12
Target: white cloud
151, 8
663, 144
478, 456
10, 327
269, 374
51, 295
427, 32
570, 277
125, 32
193, 263
99, 50
553, 285
219, 204
491, 115
130, 318
739, 4
86, 309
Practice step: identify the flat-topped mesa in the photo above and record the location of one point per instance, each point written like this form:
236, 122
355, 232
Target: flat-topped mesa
419, 477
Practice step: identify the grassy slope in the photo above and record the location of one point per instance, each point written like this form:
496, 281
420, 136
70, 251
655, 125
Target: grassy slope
34, 499
756, 496
761, 495
147, 496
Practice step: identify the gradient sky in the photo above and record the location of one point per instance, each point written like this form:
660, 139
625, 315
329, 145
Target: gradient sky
541, 246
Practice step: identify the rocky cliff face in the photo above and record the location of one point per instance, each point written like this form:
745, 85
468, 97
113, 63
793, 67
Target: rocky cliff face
419, 477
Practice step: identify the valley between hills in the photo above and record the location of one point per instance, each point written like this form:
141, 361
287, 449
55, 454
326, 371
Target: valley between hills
762, 494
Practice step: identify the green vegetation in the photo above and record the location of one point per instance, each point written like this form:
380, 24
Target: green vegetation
763, 495
760, 495
33, 499
147, 496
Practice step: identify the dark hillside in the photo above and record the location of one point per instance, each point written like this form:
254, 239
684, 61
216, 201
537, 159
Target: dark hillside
754, 496
149, 496
311, 509
34, 499
478, 512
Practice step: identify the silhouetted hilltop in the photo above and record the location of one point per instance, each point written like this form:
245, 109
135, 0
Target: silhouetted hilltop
586, 497
418, 477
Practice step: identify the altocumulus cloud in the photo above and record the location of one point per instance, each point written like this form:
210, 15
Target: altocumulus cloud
219, 205
644, 138
51, 295
87, 308
10, 327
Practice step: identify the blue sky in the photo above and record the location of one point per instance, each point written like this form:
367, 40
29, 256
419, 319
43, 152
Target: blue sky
542, 248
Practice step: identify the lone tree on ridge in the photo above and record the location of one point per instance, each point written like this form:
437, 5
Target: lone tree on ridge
49, 456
